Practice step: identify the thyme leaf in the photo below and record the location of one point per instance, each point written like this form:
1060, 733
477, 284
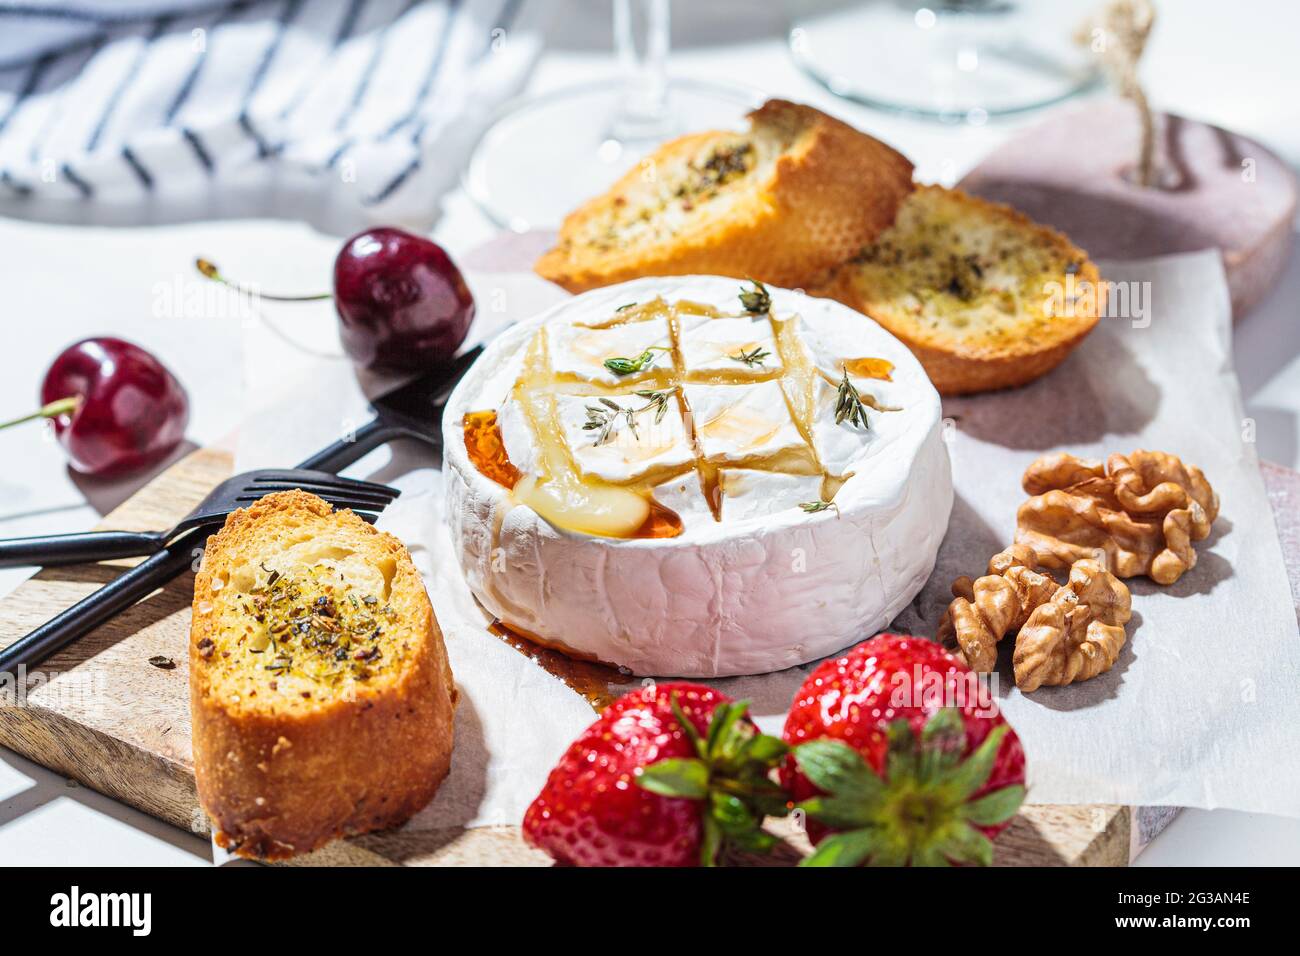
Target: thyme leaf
848, 404
755, 299
604, 418
656, 400
812, 507
751, 358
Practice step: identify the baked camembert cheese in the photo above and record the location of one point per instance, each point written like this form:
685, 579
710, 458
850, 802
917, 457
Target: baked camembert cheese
689, 477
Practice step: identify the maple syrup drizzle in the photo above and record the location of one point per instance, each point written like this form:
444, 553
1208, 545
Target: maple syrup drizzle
487, 449
662, 522
598, 684
876, 368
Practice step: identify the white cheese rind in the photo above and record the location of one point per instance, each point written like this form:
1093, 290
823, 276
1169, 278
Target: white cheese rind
725, 598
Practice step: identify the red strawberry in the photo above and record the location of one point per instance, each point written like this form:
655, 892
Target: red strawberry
666, 776
896, 760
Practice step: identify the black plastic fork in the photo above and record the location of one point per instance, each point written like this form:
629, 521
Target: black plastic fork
366, 498
170, 553
410, 411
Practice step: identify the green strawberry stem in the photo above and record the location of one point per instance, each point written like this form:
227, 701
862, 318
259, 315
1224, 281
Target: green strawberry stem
921, 811
62, 406
731, 774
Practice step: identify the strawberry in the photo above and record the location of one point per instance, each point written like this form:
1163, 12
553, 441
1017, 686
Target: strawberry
667, 776
896, 761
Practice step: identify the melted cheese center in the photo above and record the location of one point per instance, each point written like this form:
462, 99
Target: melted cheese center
766, 426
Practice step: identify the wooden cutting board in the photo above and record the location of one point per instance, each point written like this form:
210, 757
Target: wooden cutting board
102, 714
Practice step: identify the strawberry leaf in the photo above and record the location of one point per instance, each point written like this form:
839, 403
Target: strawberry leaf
676, 777
996, 807
973, 772
710, 841
842, 813
732, 774
765, 748
943, 727
852, 848
942, 740
968, 845
920, 812
688, 727
730, 811
727, 732
932, 855
903, 756
835, 767
753, 841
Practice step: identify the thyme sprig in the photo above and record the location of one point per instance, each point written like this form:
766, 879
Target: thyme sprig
605, 417
755, 299
656, 400
848, 404
812, 507
751, 358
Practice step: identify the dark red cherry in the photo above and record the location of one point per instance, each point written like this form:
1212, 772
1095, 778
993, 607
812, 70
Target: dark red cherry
115, 408
402, 302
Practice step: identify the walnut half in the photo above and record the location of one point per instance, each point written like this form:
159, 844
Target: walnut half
1075, 635
1137, 514
993, 606
1063, 633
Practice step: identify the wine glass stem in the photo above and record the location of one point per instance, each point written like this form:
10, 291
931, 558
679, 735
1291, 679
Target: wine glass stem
644, 109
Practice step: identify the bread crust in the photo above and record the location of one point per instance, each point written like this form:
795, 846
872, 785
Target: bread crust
962, 364
280, 780
828, 194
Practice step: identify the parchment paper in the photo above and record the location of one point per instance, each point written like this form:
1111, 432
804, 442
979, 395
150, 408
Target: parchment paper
1203, 707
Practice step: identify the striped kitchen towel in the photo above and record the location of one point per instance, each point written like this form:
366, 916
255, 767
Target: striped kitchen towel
341, 112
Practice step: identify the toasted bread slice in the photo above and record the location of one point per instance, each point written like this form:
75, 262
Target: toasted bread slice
984, 297
783, 202
320, 693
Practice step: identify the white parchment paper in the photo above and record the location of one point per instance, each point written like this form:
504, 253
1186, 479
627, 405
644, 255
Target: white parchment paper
1203, 707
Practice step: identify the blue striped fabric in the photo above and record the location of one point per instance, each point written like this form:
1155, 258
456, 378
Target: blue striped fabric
336, 102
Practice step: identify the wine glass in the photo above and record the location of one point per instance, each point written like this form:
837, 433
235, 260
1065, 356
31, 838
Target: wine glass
541, 156
951, 60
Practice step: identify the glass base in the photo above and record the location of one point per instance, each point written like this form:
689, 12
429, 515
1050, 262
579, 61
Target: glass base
953, 61
542, 157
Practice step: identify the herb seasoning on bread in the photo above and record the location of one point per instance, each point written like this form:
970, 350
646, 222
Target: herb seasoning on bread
320, 692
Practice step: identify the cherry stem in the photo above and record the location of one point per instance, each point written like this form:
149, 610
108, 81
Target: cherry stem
210, 270
63, 406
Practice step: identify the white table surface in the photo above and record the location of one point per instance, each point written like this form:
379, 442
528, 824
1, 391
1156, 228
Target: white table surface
62, 283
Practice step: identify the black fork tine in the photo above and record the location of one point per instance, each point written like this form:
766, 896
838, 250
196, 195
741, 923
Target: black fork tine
322, 478
338, 501
378, 496
363, 501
